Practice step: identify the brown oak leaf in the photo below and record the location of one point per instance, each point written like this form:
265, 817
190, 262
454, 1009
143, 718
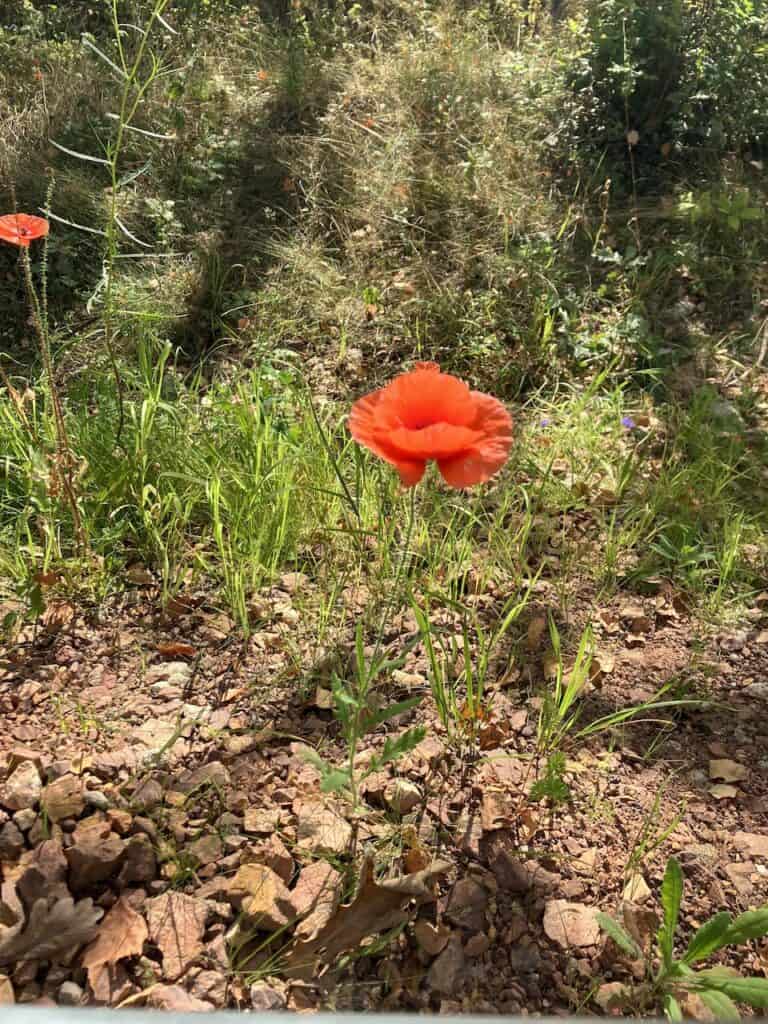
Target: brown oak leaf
121, 934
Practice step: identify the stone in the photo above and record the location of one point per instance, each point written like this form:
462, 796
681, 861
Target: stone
585, 862
110, 984
11, 841
70, 994
139, 862
147, 795
212, 774
476, 945
402, 796
466, 905
274, 854
6, 991
63, 798
29, 993
146, 826
94, 860
174, 673
446, 974
176, 999
571, 924
754, 844
25, 819
206, 850
265, 998
209, 985
261, 820
636, 890
95, 798
23, 788
432, 938
262, 896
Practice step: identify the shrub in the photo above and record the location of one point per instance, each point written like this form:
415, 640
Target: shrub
670, 76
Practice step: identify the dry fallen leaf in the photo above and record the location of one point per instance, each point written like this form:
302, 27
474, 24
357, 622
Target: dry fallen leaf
57, 615
722, 791
320, 829
176, 649
317, 893
176, 925
263, 897
536, 628
121, 934
376, 908
52, 930
727, 770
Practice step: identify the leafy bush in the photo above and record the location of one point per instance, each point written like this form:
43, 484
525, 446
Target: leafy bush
665, 76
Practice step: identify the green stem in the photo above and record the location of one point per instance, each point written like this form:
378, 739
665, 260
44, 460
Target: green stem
124, 119
64, 460
404, 551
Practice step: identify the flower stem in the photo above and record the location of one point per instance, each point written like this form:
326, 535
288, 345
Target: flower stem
404, 551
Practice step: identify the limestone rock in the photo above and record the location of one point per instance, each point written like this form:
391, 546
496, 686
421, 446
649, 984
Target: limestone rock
63, 798
23, 787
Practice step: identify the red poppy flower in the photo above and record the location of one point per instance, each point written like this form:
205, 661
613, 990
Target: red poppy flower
21, 228
426, 414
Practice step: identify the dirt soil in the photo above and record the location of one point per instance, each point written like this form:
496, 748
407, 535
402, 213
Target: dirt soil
152, 772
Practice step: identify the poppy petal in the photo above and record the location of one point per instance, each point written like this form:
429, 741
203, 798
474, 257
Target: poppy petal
428, 415
364, 427
410, 473
22, 228
468, 470
426, 396
362, 422
491, 417
440, 441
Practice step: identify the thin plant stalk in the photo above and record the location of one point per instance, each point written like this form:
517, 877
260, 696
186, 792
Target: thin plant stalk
129, 103
64, 461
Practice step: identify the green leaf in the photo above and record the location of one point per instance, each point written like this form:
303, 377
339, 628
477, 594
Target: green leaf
312, 757
334, 781
623, 939
402, 744
671, 896
346, 704
672, 1009
752, 925
753, 991
720, 1004
79, 156
708, 938
387, 713
87, 41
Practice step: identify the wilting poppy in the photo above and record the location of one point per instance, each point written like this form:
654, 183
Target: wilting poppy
426, 414
21, 228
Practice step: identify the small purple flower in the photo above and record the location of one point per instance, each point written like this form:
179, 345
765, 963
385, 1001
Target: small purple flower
544, 421
628, 422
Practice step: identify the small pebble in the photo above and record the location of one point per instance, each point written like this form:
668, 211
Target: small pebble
96, 799
70, 994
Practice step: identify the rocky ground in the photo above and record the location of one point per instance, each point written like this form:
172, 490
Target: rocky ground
163, 841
